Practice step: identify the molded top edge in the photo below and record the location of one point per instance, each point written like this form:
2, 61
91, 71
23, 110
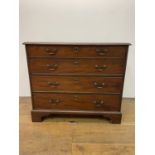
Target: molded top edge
75, 43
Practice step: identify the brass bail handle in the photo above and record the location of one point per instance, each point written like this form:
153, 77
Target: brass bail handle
98, 103
51, 51
101, 51
53, 84
99, 85
101, 68
54, 101
52, 67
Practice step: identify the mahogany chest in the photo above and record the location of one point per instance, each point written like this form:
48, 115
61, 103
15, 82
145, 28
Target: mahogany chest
80, 79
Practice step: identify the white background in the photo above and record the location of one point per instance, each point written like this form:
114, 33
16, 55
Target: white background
77, 21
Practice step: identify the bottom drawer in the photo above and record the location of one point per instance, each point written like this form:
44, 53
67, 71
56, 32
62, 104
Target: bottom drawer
76, 101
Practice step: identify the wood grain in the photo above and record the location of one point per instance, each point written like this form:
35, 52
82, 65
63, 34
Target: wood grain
110, 66
107, 134
76, 51
76, 101
76, 136
102, 149
77, 84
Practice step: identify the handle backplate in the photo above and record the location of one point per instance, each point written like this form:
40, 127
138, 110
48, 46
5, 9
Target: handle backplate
52, 67
101, 51
54, 101
98, 103
53, 84
100, 68
51, 51
99, 85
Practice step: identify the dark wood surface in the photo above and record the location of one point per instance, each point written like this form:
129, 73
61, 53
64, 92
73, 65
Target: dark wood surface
76, 51
77, 84
113, 116
80, 66
76, 79
75, 101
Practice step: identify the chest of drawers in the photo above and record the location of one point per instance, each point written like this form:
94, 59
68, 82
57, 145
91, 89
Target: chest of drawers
76, 79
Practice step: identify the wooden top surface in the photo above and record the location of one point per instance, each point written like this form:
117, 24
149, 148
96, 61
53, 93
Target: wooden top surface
75, 43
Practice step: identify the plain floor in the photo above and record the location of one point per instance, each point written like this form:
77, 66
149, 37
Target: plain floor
76, 136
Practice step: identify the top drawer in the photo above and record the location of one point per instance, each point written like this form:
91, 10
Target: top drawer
67, 51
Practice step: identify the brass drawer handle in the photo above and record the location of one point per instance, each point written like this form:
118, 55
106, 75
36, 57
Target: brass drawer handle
76, 62
99, 85
76, 98
76, 80
98, 103
101, 51
54, 101
100, 68
53, 84
51, 51
52, 67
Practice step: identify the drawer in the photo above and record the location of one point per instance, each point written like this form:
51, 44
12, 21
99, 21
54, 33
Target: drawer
75, 51
76, 101
85, 66
77, 84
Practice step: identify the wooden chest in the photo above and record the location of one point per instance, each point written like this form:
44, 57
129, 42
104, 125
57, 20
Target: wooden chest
80, 79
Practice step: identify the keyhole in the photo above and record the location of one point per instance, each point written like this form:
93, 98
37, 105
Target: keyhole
76, 50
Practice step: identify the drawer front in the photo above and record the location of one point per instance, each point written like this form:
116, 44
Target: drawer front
85, 66
76, 102
77, 84
75, 51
